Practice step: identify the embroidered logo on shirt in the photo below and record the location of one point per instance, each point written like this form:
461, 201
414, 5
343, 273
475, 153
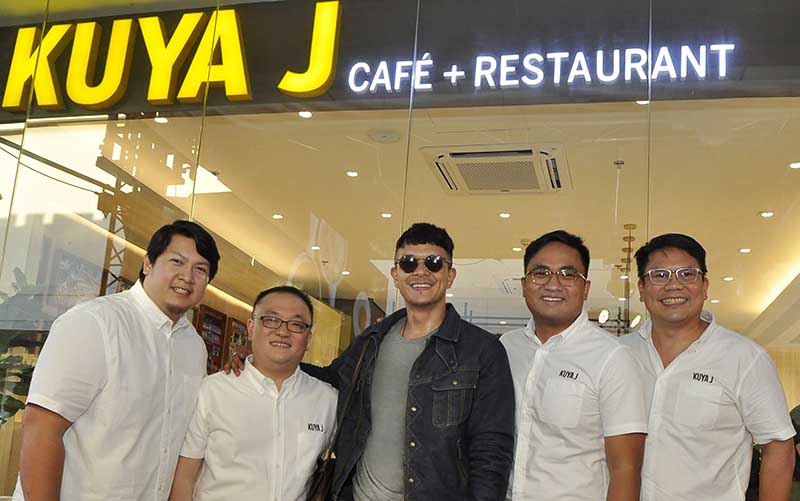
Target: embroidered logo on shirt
315, 427
568, 374
705, 378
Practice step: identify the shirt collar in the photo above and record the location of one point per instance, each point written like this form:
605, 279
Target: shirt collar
530, 330
262, 384
646, 331
153, 313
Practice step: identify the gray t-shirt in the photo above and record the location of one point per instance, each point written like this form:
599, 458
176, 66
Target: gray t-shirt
379, 474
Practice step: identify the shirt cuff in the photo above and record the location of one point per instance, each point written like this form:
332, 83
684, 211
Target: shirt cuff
192, 452
624, 429
52, 406
780, 436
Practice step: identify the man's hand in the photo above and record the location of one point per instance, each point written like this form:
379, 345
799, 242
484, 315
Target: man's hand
41, 464
236, 362
777, 467
624, 454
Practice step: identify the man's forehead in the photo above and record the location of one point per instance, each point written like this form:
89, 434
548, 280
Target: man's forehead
556, 255
670, 256
421, 249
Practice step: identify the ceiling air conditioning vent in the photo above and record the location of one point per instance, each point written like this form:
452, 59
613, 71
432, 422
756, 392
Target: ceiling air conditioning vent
495, 169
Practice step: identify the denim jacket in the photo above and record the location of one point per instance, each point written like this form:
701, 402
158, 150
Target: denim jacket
459, 417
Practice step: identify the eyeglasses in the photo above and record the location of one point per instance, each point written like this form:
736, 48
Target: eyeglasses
409, 263
565, 276
686, 276
270, 322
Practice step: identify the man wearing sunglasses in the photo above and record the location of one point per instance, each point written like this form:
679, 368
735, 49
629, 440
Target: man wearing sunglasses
712, 392
581, 414
260, 434
433, 409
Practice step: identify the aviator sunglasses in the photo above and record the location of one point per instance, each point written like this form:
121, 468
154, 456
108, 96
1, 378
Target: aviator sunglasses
409, 263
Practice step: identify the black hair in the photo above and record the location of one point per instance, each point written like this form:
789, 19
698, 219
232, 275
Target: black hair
426, 233
559, 236
286, 289
203, 240
673, 240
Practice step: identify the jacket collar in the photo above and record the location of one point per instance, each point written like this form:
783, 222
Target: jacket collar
450, 330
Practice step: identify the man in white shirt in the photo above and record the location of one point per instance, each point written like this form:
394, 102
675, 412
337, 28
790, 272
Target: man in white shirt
712, 391
260, 434
581, 414
117, 379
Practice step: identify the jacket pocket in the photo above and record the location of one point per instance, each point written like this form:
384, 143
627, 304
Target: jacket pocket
452, 397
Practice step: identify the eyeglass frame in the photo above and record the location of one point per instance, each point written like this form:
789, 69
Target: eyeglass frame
558, 274
262, 318
700, 273
424, 261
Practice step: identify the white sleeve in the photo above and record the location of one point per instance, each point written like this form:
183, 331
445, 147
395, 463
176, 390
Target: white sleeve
196, 440
763, 402
623, 407
71, 369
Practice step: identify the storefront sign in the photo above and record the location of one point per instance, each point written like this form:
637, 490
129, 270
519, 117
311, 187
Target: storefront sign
36, 55
512, 71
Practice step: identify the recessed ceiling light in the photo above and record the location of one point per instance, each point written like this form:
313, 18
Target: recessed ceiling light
603, 316
745, 250
794, 165
635, 321
516, 249
727, 279
502, 322
315, 247
352, 173
766, 213
345, 273
624, 277
305, 114
714, 301
449, 294
643, 101
504, 215
160, 120
277, 216
622, 299
386, 215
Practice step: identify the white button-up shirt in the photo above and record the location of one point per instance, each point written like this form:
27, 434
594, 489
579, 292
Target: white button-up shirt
574, 390
255, 441
707, 407
127, 379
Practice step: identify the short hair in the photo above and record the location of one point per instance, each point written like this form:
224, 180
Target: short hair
206, 246
426, 233
562, 237
670, 240
286, 289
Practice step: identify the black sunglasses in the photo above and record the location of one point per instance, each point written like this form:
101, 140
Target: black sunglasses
409, 263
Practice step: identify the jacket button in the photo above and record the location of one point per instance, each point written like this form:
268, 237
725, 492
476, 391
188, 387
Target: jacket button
410, 480
455, 382
413, 444
413, 409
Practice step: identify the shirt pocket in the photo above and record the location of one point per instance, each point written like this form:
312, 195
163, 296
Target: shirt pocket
697, 405
452, 397
562, 402
310, 446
